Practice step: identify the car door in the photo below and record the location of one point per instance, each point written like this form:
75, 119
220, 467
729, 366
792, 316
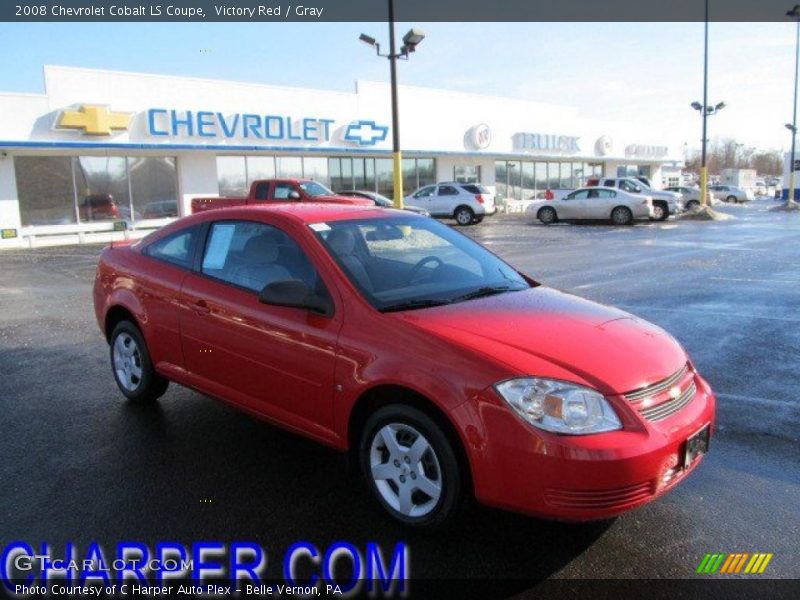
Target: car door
599, 203
573, 205
423, 198
278, 361
446, 200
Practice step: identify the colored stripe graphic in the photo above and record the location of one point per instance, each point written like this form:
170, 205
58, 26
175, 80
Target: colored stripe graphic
724, 563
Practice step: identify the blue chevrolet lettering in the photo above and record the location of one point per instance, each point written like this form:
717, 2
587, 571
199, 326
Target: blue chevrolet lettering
209, 124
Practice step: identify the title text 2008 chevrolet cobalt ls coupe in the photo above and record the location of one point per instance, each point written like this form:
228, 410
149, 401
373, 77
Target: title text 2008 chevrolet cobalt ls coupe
441, 370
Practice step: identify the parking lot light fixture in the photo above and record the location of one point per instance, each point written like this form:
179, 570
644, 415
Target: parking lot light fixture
794, 13
410, 42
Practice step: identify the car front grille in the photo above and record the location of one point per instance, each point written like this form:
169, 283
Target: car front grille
664, 398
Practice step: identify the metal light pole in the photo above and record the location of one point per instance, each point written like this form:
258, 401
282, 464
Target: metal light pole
794, 14
705, 111
410, 42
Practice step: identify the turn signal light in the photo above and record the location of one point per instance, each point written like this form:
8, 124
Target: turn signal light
479, 199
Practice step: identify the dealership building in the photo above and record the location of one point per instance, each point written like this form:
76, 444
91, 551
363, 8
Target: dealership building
105, 154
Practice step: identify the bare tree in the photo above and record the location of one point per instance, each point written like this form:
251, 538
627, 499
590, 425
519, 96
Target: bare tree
727, 153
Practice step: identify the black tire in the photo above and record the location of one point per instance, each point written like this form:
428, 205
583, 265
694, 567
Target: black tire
547, 215
731, 198
692, 205
622, 215
464, 215
661, 211
446, 508
149, 385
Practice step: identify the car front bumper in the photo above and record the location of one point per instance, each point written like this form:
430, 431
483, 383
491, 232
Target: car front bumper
581, 478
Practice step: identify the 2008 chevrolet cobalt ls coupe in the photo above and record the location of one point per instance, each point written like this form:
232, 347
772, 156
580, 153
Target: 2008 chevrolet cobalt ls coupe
440, 369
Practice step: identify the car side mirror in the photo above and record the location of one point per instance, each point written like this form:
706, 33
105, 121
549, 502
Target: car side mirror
294, 195
295, 293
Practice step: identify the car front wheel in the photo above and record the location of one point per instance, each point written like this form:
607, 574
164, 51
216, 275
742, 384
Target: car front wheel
692, 205
660, 211
132, 367
547, 215
411, 467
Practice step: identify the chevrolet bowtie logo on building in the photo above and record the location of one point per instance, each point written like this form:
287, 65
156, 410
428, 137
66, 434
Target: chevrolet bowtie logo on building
742, 562
365, 133
94, 119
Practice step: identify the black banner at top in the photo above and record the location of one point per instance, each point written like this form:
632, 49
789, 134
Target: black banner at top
405, 10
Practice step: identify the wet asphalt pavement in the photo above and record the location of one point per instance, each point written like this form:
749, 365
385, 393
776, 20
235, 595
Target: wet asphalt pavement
80, 464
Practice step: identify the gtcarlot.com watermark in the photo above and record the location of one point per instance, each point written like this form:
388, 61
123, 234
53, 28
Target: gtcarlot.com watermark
203, 568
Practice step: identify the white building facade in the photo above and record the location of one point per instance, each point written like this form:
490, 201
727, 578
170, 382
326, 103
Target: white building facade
103, 151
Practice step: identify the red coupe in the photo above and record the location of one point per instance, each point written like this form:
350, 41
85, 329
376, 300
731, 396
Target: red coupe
441, 370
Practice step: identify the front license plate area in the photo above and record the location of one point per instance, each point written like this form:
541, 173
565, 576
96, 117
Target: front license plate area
696, 446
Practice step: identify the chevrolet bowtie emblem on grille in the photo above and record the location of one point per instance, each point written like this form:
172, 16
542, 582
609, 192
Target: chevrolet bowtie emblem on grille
94, 119
365, 133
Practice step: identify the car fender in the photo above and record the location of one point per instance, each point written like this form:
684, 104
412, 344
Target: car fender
124, 297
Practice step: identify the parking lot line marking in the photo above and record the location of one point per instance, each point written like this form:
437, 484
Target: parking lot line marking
705, 311
756, 280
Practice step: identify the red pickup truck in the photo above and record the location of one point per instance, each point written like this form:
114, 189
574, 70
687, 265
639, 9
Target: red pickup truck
279, 190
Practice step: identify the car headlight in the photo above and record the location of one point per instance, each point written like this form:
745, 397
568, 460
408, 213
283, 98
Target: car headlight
559, 406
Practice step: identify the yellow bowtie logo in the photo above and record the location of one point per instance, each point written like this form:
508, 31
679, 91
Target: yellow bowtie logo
94, 120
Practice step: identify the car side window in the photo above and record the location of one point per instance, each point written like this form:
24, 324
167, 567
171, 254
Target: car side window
605, 194
176, 248
262, 191
425, 192
609, 183
282, 191
447, 190
579, 195
252, 255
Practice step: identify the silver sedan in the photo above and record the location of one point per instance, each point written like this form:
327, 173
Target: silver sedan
594, 204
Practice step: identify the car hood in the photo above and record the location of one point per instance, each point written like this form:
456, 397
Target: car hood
544, 332
345, 200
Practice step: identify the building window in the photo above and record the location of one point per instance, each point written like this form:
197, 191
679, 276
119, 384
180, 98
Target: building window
316, 168
426, 171
56, 190
467, 173
46, 190
259, 167
409, 175
383, 176
289, 166
154, 190
501, 178
231, 175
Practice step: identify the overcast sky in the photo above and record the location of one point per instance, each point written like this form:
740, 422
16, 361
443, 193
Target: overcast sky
646, 73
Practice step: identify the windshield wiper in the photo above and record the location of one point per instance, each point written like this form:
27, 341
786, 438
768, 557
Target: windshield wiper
487, 290
412, 304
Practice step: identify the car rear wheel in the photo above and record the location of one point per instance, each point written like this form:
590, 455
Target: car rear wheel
411, 467
660, 211
622, 215
464, 215
692, 205
547, 215
130, 362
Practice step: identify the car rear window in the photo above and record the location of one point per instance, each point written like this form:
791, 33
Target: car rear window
473, 188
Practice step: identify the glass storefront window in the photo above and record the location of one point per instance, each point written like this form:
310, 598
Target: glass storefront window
409, 175
540, 172
383, 176
467, 173
553, 179
335, 173
289, 166
565, 170
154, 189
501, 178
102, 186
426, 171
358, 175
514, 180
316, 168
231, 175
45, 190
260, 167
528, 181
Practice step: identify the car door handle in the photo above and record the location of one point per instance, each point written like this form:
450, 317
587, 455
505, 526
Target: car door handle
201, 308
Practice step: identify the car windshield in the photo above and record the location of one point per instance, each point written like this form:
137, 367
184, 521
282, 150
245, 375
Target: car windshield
404, 263
382, 201
312, 188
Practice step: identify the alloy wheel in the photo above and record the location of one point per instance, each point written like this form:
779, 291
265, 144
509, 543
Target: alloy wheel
405, 470
127, 362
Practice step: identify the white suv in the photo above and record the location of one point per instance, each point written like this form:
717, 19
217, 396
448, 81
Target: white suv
467, 203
